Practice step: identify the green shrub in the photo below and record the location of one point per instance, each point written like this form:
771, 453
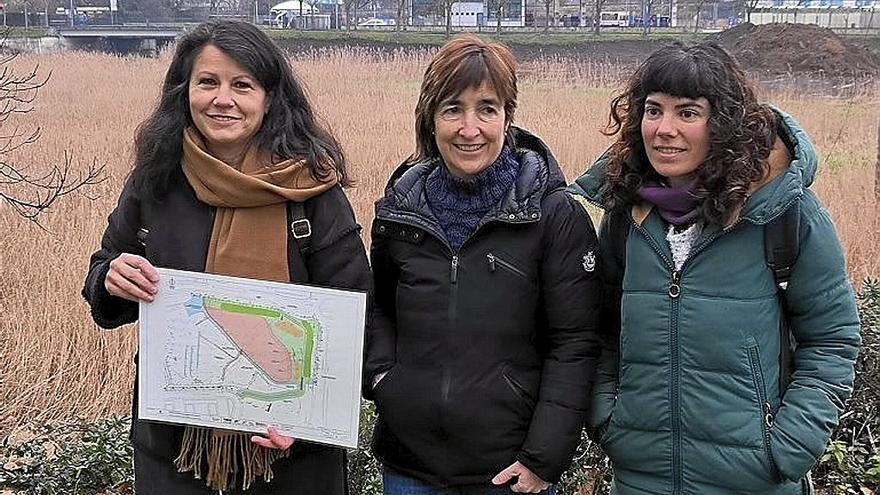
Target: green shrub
71, 458
364, 474
590, 471
852, 459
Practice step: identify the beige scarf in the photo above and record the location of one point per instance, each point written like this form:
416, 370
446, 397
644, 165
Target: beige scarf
249, 239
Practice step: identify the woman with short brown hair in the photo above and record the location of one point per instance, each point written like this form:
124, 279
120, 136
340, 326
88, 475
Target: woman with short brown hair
483, 340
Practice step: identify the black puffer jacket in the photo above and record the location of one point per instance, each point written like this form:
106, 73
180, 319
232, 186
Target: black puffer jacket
174, 233
489, 350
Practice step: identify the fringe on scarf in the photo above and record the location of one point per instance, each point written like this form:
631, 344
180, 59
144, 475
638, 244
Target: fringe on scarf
222, 451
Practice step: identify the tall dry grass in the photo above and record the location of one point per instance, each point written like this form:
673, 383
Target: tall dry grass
54, 362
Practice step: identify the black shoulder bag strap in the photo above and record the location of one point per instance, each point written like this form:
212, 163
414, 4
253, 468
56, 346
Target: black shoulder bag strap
618, 230
781, 249
300, 236
613, 257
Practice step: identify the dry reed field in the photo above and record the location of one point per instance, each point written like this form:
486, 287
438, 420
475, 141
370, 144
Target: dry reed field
56, 364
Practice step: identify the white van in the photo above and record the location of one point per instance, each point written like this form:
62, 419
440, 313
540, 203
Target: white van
614, 19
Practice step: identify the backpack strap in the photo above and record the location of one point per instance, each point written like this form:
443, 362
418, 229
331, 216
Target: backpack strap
618, 231
782, 246
299, 241
614, 229
781, 250
612, 254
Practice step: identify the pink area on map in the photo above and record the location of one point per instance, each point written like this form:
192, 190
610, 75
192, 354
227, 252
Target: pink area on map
254, 337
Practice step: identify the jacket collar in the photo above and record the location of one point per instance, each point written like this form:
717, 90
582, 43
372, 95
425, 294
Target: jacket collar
539, 173
789, 175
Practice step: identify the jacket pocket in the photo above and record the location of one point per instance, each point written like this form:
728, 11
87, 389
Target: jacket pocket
766, 409
384, 384
407, 400
604, 396
503, 262
384, 380
518, 388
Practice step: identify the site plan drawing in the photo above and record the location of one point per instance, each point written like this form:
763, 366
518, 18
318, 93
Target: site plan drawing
241, 354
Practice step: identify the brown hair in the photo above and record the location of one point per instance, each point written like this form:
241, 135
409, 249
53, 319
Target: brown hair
464, 62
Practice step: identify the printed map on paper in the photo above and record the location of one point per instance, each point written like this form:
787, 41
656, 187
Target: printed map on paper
243, 354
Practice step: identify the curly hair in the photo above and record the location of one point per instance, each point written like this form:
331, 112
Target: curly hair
290, 128
741, 130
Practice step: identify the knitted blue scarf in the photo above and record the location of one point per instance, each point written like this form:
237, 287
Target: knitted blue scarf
461, 203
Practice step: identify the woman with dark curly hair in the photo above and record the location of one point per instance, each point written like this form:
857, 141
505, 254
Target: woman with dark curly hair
698, 391
233, 175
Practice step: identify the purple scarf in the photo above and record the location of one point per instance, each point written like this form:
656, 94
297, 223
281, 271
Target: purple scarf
677, 205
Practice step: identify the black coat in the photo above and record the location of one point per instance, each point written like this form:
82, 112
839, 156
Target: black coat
489, 349
174, 233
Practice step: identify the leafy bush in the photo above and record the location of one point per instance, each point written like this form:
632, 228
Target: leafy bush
852, 460
364, 473
71, 458
590, 472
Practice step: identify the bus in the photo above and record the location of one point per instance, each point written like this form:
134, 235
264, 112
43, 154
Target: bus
614, 19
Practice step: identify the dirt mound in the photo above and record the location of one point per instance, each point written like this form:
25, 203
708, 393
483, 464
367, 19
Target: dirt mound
798, 49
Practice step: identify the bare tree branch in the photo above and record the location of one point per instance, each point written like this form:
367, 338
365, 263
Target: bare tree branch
31, 193
45, 189
699, 9
401, 18
351, 8
748, 7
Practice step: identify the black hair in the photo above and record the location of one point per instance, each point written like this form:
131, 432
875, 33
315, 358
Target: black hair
741, 129
290, 129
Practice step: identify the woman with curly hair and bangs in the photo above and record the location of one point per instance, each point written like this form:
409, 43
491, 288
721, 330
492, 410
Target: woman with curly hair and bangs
731, 326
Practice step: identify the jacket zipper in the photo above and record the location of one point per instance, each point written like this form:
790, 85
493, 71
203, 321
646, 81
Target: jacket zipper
452, 313
495, 260
767, 413
674, 293
592, 202
675, 360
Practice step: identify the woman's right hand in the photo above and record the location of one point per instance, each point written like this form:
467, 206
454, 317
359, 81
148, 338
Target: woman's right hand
132, 277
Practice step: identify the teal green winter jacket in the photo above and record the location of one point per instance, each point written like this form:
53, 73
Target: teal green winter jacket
687, 399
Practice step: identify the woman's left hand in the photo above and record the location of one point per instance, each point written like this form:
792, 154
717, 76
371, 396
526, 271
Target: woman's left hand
273, 440
526, 480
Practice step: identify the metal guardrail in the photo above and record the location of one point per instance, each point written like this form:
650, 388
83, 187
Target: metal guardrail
120, 31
